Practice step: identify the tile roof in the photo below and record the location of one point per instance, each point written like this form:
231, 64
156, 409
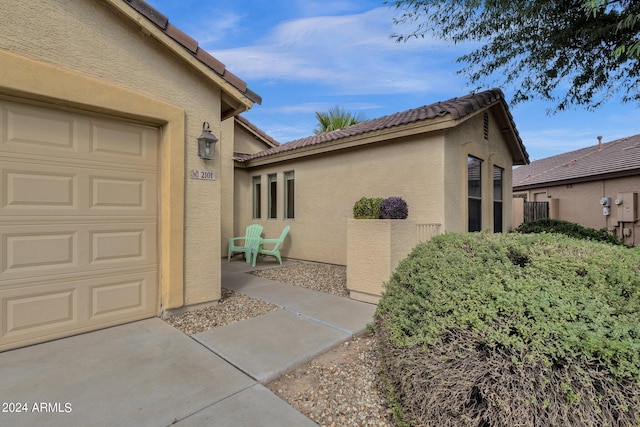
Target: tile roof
457, 108
191, 45
621, 156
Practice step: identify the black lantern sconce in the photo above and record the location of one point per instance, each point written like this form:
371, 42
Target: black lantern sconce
206, 143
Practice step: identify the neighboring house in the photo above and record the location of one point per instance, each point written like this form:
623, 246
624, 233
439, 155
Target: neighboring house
101, 105
451, 161
596, 186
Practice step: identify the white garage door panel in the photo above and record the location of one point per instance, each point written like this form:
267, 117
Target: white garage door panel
31, 252
28, 129
128, 245
33, 128
78, 223
30, 188
50, 311
44, 189
111, 192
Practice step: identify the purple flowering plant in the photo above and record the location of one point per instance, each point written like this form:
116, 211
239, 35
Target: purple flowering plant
394, 208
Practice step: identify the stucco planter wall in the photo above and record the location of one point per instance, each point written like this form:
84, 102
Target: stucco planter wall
374, 249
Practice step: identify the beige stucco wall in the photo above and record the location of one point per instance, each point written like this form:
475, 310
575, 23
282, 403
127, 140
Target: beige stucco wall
226, 176
375, 247
580, 203
465, 140
236, 139
107, 64
517, 211
428, 170
246, 142
328, 185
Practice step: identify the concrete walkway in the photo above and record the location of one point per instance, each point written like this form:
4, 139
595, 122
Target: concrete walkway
149, 374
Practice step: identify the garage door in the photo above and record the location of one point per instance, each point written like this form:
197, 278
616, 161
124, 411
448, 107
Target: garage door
78, 220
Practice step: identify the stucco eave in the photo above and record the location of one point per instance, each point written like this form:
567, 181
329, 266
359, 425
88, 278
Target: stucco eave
355, 141
239, 101
518, 153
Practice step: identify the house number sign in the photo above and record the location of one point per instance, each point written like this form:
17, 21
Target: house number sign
200, 174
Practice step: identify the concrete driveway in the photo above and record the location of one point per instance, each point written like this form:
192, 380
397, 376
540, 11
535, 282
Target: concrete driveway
141, 374
149, 374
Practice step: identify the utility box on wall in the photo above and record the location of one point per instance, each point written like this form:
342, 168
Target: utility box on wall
627, 205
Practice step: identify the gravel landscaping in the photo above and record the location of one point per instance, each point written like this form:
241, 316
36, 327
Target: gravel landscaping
231, 308
327, 278
338, 388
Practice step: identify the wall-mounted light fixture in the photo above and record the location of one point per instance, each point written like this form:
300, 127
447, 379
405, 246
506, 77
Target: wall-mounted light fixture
206, 143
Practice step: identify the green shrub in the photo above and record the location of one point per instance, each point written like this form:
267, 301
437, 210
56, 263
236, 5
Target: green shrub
512, 329
367, 208
570, 229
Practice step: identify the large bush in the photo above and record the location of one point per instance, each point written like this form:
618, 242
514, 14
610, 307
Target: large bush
512, 330
569, 229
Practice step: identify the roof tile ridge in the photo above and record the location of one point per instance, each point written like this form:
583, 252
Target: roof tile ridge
457, 107
594, 149
546, 170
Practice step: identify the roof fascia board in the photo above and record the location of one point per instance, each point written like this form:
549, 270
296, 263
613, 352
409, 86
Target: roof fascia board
395, 132
579, 180
242, 102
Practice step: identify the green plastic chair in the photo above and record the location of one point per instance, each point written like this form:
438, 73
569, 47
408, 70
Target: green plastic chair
275, 251
251, 240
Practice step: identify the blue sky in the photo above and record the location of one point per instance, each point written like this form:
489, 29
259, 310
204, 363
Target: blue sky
304, 56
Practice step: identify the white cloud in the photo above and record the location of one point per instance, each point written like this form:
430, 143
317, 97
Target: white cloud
286, 132
350, 54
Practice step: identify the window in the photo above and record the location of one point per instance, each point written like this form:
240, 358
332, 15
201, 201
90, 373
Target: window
273, 196
474, 174
289, 195
257, 197
497, 199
